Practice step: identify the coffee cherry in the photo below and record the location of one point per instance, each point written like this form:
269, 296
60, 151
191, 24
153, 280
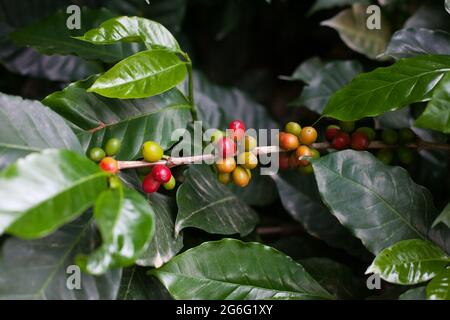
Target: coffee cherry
110, 165
152, 151
250, 143
288, 141
370, 133
247, 160
308, 135
294, 162
112, 146
405, 155
171, 184
226, 165
303, 151
385, 155
225, 147
217, 135
283, 161
238, 129
241, 176
341, 141
294, 128
96, 154
224, 178
161, 173
389, 136
406, 135
331, 132
359, 141
150, 184
114, 182
306, 170
315, 153
347, 126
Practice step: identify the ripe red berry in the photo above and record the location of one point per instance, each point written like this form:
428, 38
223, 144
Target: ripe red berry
238, 129
341, 141
150, 184
360, 141
225, 147
284, 161
288, 141
161, 173
331, 132
110, 165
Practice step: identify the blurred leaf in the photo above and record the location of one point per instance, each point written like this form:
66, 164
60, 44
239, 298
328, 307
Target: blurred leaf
431, 15
142, 75
205, 203
329, 4
37, 269
27, 126
385, 89
126, 224
136, 285
414, 294
305, 71
439, 286
443, 217
380, 204
351, 25
233, 270
409, 262
43, 191
165, 244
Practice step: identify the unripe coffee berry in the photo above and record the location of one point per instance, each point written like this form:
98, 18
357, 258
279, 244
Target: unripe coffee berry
171, 184
241, 176
161, 173
369, 132
217, 135
389, 136
359, 141
150, 184
109, 165
385, 155
288, 141
226, 165
112, 146
306, 170
152, 151
405, 155
96, 154
247, 160
308, 135
341, 141
250, 143
315, 153
293, 127
331, 132
224, 178
225, 147
237, 128
406, 135
347, 126
303, 151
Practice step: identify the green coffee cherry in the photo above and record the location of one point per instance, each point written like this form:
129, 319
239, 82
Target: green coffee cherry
385, 155
112, 146
96, 154
293, 127
250, 143
152, 151
389, 136
217, 135
347, 126
370, 133
405, 155
406, 135
171, 184
315, 153
114, 182
306, 170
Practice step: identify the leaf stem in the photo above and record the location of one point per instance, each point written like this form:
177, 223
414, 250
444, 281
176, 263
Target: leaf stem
191, 86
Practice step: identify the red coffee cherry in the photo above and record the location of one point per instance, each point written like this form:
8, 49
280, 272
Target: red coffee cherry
238, 129
161, 173
110, 165
283, 161
225, 147
360, 141
288, 141
150, 184
331, 132
341, 141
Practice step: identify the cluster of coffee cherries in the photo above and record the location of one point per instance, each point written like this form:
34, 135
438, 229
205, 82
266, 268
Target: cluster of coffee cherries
296, 142
105, 156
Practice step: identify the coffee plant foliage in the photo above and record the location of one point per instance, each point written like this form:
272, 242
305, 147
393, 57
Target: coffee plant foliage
131, 73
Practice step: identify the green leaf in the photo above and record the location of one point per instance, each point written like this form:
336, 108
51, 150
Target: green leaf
389, 88
380, 204
233, 270
444, 216
142, 75
437, 114
126, 223
27, 126
409, 262
352, 28
136, 285
329, 4
38, 269
411, 42
326, 81
261, 191
51, 36
96, 118
439, 287
205, 203
305, 71
43, 191
165, 244
413, 294
132, 29
431, 15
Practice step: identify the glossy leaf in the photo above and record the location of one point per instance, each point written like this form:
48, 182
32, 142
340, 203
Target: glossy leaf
126, 223
233, 270
137, 285
414, 294
411, 42
430, 15
352, 28
142, 75
439, 286
165, 244
96, 118
43, 191
444, 216
41, 269
389, 88
132, 29
409, 262
437, 114
380, 204
27, 126
205, 203
306, 70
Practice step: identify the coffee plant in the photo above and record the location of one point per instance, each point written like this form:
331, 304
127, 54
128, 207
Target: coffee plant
138, 175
